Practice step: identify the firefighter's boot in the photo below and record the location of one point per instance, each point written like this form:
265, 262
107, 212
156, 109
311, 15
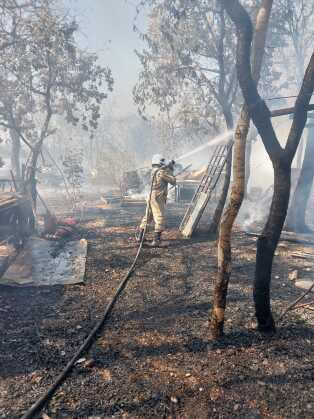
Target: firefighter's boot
140, 235
157, 239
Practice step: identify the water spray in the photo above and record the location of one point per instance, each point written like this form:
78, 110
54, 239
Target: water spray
215, 141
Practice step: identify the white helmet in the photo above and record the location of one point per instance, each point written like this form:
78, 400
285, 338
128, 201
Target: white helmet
157, 159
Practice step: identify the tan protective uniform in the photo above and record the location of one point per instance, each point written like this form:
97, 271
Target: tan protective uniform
162, 176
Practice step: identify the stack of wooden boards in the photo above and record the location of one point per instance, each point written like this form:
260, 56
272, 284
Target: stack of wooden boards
16, 216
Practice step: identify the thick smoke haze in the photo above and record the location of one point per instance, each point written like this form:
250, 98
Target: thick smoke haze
106, 27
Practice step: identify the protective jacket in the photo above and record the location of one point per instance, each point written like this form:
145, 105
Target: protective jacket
161, 177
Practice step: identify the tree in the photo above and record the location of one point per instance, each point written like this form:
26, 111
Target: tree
45, 74
281, 157
298, 27
239, 181
190, 52
294, 23
12, 28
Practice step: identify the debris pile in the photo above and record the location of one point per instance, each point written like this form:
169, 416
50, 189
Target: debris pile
56, 228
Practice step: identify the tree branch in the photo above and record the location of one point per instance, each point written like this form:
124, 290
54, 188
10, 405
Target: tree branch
258, 110
300, 110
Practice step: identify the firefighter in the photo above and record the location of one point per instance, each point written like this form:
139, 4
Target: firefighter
162, 174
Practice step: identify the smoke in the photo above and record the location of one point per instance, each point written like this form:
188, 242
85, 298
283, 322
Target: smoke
254, 211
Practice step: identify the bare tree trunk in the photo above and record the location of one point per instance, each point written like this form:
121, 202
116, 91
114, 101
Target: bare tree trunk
297, 211
15, 154
239, 183
224, 248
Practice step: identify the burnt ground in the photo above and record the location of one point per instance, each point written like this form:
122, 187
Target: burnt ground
154, 358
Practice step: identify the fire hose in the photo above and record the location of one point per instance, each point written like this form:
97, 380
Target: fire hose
41, 401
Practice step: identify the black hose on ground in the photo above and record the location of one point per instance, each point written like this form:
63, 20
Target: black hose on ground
41, 402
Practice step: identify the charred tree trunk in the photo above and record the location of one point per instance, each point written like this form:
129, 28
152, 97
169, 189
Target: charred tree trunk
297, 212
15, 154
267, 243
239, 182
280, 157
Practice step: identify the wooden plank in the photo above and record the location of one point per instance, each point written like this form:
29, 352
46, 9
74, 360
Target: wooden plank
195, 215
288, 111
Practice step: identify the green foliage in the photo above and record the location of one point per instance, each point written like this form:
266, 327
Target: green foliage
188, 63
43, 73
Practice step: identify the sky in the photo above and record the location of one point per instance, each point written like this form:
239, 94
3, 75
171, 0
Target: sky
106, 27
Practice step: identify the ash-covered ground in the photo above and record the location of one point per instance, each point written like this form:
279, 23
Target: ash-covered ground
154, 357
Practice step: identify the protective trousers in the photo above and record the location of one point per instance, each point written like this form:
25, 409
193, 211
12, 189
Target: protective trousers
156, 213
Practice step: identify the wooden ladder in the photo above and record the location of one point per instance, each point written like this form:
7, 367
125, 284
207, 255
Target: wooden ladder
205, 188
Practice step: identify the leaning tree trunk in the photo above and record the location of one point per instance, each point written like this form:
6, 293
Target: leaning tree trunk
267, 243
239, 183
297, 211
15, 154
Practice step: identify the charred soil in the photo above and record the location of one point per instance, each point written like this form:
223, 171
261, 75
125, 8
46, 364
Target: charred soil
154, 357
